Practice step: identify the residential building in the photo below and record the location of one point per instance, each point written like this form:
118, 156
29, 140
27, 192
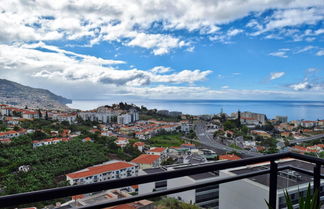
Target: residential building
206, 197
147, 161
238, 194
229, 157
104, 117
140, 146
69, 117
107, 171
308, 124
161, 151
124, 119
121, 142
163, 112
261, 133
9, 134
261, 118
282, 119
110, 195
186, 126
44, 142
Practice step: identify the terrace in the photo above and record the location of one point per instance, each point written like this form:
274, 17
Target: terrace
272, 171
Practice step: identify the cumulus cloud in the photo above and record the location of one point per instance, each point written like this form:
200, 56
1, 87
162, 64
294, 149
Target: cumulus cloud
294, 17
131, 22
305, 49
282, 54
234, 32
320, 52
276, 75
58, 64
160, 69
301, 86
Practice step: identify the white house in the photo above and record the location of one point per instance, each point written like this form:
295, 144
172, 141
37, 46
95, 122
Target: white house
107, 171
147, 161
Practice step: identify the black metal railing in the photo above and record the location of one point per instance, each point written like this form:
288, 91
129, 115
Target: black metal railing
49, 194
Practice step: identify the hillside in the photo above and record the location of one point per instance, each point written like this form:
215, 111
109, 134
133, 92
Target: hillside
16, 94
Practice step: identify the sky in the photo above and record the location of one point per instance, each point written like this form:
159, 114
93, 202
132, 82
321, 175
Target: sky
166, 49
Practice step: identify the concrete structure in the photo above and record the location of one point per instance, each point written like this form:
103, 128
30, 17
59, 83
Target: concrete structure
104, 117
124, 119
161, 151
282, 119
252, 192
261, 118
147, 161
44, 142
69, 117
206, 197
107, 171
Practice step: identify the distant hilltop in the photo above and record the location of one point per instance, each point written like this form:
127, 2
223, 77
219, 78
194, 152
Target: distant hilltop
19, 95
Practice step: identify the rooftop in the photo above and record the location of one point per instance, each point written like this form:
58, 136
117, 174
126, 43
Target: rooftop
146, 159
97, 169
286, 178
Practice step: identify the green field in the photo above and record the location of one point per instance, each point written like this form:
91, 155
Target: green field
166, 140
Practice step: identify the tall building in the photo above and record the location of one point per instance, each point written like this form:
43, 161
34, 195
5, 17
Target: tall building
251, 115
252, 192
282, 119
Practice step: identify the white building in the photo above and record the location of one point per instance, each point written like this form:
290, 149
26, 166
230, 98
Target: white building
124, 119
252, 192
147, 161
161, 151
104, 117
9, 134
107, 171
206, 197
121, 142
69, 117
44, 142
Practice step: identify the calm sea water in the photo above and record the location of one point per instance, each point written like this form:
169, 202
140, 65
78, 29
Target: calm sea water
295, 110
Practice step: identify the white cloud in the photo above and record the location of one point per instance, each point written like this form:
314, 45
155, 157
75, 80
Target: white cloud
225, 87
160, 69
294, 17
305, 49
282, 54
276, 75
320, 52
66, 66
234, 32
130, 22
301, 86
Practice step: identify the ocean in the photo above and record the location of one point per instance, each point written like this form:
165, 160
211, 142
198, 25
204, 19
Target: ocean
295, 110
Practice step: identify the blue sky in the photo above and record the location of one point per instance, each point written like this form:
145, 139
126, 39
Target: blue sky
183, 49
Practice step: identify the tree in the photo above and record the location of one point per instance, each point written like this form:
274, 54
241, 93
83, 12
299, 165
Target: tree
46, 115
40, 113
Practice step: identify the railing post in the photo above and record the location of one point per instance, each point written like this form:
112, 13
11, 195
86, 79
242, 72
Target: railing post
273, 184
317, 179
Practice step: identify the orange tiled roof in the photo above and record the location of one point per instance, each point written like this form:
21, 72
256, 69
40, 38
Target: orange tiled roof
229, 157
97, 169
139, 144
146, 159
157, 149
8, 132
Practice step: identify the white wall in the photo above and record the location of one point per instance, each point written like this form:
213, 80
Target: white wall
187, 196
242, 194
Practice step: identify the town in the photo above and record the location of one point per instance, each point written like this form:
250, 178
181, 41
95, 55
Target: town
43, 149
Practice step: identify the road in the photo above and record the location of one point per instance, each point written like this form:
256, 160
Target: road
207, 139
296, 141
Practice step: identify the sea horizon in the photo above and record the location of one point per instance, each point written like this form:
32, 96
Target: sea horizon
294, 109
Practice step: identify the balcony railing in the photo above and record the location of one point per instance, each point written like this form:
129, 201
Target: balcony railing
49, 194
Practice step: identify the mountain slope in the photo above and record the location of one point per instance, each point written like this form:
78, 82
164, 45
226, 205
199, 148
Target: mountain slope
17, 94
